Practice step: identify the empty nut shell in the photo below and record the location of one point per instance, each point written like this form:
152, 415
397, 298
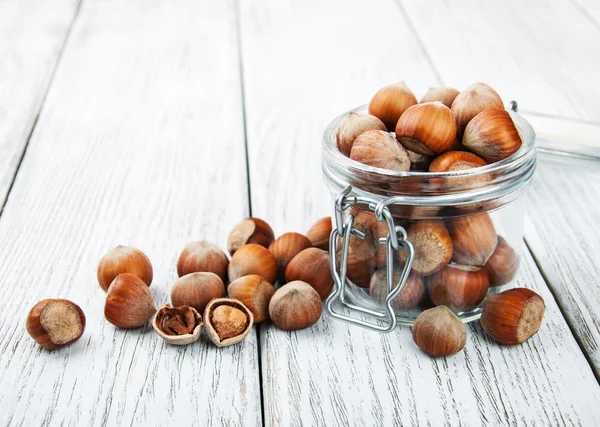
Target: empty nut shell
472, 101
250, 230
352, 125
410, 296
123, 259
255, 293
503, 264
285, 248
312, 266
438, 332
178, 325
227, 321
474, 239
319, 233
492, 135
381, 150
458, 287
196, 290
253, 259
295, 306
202, 256
390, 102
432, 245
55, 323
427, 129
129, 303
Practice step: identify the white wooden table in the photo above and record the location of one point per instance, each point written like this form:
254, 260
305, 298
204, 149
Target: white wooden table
153, 123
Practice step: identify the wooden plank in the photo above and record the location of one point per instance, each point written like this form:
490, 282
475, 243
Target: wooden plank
140, 142
341, 375
32, 33
547, 58
590, 9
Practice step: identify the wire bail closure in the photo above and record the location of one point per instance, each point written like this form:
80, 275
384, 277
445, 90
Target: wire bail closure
395, 240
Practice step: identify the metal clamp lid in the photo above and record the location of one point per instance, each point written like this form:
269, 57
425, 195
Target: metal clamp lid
395, 240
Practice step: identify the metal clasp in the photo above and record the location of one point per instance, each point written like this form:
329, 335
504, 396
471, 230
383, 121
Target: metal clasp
395, 240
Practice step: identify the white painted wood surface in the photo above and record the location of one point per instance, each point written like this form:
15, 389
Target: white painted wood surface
140, 142
297, 77
32, 33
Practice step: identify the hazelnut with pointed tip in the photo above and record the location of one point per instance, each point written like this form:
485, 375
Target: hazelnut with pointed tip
427, 129
472, 101
312, 266
129, 303
458, 287
380, 149
352, 125
445, 95
250, 230
55, 323
202, 256
253, 259
196, 290
319, 233
390, 102
255, 293
474, 239
438, 332
123, 259
493, 135
295, 306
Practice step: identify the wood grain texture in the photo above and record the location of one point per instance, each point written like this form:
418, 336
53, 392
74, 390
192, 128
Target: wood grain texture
303, 66
546, 55
32, 33
140, 138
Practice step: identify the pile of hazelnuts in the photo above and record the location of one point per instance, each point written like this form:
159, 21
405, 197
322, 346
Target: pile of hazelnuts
457, 260
223, 296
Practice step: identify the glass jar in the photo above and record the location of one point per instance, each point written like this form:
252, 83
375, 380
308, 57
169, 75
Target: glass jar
476, 214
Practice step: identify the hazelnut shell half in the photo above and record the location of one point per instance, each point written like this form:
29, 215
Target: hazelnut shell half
186, 338
227, 321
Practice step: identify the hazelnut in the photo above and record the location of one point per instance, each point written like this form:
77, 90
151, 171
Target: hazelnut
250, 230
285, 248
365, 222
178, 325
380, 149
472, 101
503, 264
227, 321
196, 290
319, 233
410, 296
352, 125
513, 316
445, 95
474, 239
438, 332
255, 293
123, 259
253, 259
312, 266
419, 162
390, 102
455, 161
427, 129
458, 287
200, 257
55, 323
432, 245
492, 134
295, 306
359, 270
129, 303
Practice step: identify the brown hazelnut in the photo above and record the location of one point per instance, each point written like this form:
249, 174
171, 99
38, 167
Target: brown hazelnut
178, 325
129, 303
250, 230
255, 293
438, 332
319, 233
455, 161
472, 101
359, 270
312, 266
123, 259
295, 306
410, 296
432, 245
285, 248
380, 149
364, 248
352, 125
55, 323
419, 162
390, 102
445, 95
227, 321
202, 256
458, 287
427, 129
503, 264
253, 259
492, 134
474, 239
196, 290
513, 316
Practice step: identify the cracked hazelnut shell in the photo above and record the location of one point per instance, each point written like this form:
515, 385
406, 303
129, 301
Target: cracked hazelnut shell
123, 259
55, 323
503, 264
432, 245
352, 125
129, 303
295, 306
492, 135
458, 287
312, 266
196, 290
410, 296
472, 101
202, 256
178, 325
512, 317
390, 102
319, 233
381, 150
255, 293
427, 129
227, 321
250, 230
285, 248
438, 332
253, 259
474, 239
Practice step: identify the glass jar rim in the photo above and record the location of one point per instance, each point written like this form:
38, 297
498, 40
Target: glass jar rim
509, 176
